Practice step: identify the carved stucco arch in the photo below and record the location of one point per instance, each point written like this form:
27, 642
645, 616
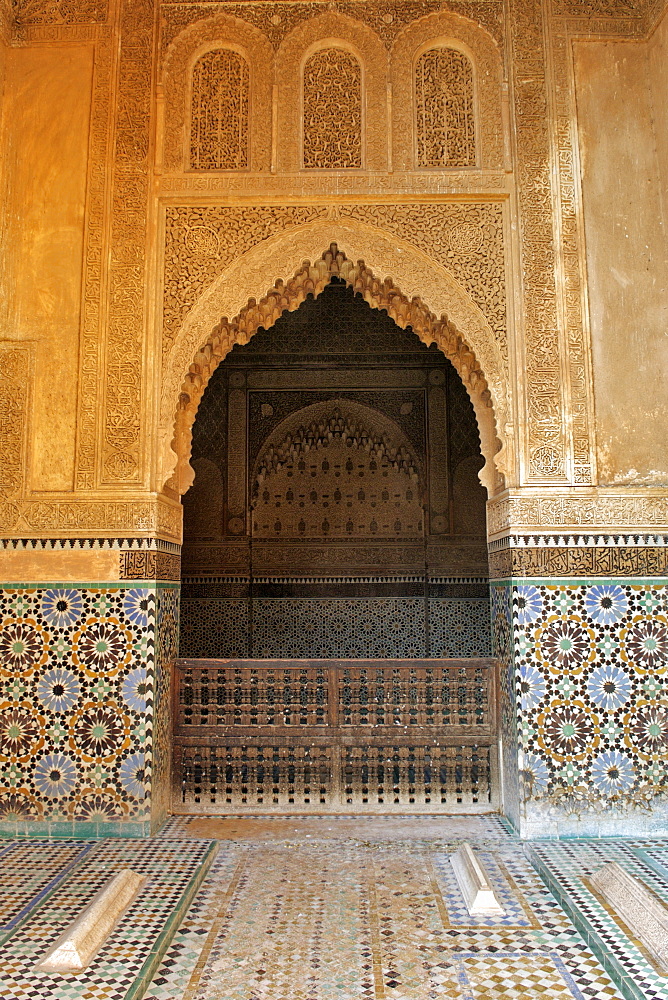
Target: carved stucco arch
448, 30
421, 294
219, 31
385, 432
336, 30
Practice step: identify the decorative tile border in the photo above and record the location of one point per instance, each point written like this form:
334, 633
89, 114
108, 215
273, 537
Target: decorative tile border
90, 544
566, 870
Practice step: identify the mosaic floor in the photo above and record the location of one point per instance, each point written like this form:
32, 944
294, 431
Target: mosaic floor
567, 871
45, 885
339, 908
329, 909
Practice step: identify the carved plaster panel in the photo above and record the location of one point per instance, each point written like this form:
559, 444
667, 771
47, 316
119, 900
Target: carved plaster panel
60, 12
445, 109
106, 518
15, 380
458, 32
335, 31
219, 101
94, 263
466, 239
547, 403
125, 328
600, 8
571, 279
150, 566
7, 15
360, 185
212, 32
433, 290
594, 510
332, 119
385, 17
561, 563
201, 242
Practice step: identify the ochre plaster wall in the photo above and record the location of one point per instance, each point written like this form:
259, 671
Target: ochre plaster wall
4, 323
47, 94
626, 252
658, 79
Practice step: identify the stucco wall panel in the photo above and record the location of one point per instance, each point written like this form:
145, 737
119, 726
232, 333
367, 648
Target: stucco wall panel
627, 253
46, 143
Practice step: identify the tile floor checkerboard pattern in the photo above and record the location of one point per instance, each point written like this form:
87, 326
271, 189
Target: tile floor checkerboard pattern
567, 868
317, 909
330, 907
133, 948
29, 871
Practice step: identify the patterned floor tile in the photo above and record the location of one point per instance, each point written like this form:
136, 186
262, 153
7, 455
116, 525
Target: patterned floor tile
29, 871
131, 952
567, 868
351, 909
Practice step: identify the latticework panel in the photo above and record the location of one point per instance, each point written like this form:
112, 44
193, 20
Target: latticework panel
299, 777
232, 694
335, 736
403, 695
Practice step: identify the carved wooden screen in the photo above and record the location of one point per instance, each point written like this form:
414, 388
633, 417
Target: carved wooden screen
444, 104
309, 736
219, 111
332, 110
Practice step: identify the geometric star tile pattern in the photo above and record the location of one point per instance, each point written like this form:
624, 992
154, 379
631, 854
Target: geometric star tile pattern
586, 677
349, 628
79, 677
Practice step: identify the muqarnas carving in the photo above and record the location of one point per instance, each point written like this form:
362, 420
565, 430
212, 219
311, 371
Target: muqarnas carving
334, 476
332, 110
219, 111
444, 105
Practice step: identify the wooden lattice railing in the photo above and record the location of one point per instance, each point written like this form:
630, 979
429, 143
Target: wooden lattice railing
259, 736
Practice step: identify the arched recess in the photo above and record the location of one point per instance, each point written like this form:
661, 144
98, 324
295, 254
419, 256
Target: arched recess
333, 122
421, 294
336, 31
449, 31
221, 31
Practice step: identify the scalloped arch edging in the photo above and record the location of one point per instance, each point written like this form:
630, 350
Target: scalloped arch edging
311, 279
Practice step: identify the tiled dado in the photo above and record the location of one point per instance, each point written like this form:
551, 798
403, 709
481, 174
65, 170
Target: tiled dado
586, 676
84, 723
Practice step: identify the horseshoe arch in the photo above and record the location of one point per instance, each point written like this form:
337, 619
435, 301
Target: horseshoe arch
421, 294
